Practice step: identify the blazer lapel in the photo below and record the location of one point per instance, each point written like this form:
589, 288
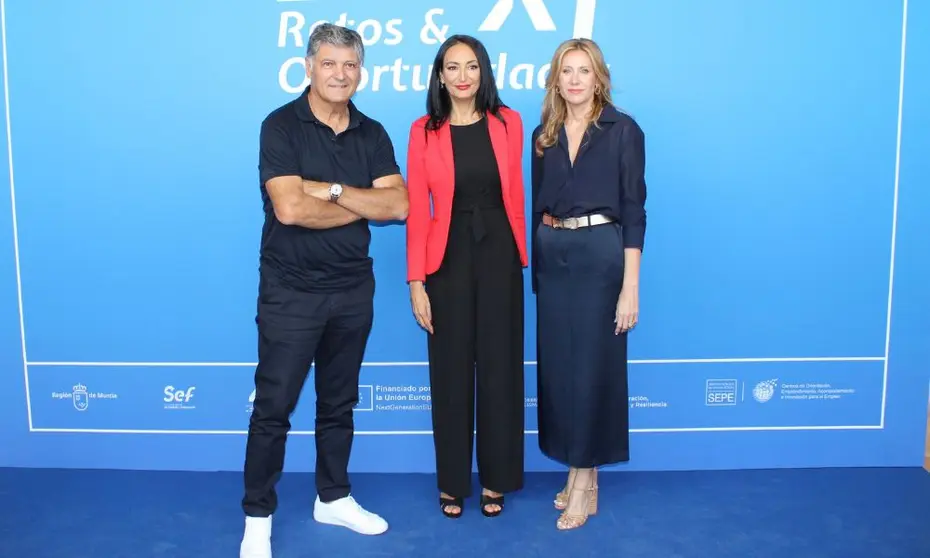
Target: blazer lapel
445, 152
501, 152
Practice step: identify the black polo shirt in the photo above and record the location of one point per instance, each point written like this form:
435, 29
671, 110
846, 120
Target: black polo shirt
294, 142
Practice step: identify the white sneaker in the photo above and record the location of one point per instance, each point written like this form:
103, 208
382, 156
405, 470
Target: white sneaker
345, 512
256, 541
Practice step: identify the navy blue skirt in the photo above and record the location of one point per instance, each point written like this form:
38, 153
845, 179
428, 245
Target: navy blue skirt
582, 397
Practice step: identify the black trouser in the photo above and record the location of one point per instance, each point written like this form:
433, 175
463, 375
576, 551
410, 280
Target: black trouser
476, 299
295, 329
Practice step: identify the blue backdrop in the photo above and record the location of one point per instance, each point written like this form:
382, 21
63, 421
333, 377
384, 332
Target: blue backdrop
787, 168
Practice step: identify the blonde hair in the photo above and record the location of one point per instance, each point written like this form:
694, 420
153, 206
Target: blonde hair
554, 107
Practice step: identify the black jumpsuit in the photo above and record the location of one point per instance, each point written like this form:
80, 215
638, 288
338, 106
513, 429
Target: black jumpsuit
476, 299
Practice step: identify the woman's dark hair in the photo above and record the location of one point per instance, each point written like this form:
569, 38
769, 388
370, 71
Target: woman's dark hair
487, 100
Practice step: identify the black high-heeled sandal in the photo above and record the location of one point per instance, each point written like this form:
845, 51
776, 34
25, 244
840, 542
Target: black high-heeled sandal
488, 500
445, 503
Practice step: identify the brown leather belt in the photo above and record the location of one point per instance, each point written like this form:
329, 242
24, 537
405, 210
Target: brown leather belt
572, 223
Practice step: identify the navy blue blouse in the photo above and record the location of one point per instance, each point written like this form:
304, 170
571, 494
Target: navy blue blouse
608, 176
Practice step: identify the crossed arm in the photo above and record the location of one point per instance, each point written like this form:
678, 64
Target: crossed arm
306, 203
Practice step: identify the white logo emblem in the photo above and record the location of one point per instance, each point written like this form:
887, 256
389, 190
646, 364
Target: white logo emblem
251, 405
178, 398
764, 390
173, 395
540, 18
79, 397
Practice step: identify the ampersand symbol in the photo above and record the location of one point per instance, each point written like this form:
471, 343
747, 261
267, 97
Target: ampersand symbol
431, 33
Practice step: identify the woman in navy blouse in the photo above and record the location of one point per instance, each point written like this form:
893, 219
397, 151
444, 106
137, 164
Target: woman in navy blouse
589, 222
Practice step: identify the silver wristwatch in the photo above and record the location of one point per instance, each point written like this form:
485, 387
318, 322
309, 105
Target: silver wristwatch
335, 190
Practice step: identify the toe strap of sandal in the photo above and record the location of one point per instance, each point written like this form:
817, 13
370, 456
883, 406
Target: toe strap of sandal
487, 500
446, 502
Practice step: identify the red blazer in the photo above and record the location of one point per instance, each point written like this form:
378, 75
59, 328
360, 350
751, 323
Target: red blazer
431, 174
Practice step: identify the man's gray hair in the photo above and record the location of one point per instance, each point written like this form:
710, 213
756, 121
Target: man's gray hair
327, 33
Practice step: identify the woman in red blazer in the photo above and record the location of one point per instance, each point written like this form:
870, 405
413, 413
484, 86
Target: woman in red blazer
466, 250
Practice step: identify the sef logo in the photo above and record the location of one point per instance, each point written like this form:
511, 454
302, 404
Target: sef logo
173, 395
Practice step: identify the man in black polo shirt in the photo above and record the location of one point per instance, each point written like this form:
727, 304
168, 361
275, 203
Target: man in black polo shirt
325, 170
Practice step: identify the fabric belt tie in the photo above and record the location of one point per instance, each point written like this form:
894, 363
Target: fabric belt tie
478, 225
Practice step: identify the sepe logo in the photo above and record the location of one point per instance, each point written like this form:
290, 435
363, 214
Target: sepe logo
720, 393
540, 17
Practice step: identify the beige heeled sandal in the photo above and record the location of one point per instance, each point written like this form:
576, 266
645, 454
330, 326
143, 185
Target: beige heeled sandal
570, 521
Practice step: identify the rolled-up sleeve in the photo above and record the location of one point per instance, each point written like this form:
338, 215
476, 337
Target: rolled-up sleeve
633, 186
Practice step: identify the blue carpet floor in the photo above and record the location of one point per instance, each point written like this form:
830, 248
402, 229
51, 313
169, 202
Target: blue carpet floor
842, 513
